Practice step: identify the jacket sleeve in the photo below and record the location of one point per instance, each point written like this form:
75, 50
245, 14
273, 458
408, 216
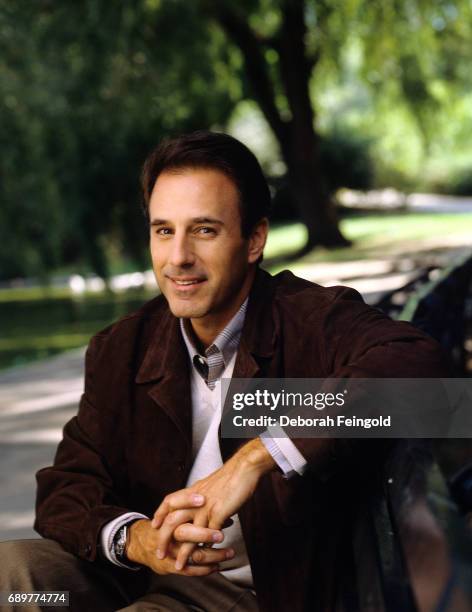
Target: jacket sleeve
360, 341
77, 495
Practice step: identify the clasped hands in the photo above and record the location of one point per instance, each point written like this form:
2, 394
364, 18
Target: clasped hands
197, 514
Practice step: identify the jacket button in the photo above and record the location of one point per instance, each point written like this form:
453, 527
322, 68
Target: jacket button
181, 466
88, 549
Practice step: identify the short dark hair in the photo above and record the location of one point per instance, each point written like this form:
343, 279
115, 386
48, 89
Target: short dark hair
215, 150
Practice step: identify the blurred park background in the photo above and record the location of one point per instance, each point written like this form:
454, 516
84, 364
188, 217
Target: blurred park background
360, 112
350, 105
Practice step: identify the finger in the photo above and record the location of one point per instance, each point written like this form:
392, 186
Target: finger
172, 551
187, 548
184, 553
165, 533
176, 501
198, 570
190, 570
217, 518
216, 522
210, 556
188, 532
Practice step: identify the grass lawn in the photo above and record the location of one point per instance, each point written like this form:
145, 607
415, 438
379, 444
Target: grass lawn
373, 235
41, 322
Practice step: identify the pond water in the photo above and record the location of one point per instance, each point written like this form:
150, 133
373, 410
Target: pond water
36, 328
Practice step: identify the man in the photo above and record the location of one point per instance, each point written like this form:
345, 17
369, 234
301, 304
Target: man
142, 474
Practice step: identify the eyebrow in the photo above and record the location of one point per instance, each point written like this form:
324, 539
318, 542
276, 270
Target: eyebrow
210, 220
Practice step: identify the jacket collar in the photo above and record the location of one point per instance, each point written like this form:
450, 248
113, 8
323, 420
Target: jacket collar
260, 330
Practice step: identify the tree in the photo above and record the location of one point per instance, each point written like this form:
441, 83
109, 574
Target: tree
295, 128
415, 53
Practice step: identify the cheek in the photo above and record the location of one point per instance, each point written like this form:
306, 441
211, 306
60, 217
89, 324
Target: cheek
157, 255
231, 266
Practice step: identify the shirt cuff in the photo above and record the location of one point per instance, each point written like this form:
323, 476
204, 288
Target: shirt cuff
283, 451
107, 535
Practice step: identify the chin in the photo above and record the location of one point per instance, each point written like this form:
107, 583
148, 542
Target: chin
186, 311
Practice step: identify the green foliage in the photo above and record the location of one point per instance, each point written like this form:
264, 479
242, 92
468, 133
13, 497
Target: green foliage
401, 76
346, 161
461, 184
88, 89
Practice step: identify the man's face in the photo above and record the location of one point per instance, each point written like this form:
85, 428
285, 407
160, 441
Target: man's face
201, 261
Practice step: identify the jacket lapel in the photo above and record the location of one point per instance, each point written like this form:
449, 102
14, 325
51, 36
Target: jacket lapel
256, 348
165, 368
259, 333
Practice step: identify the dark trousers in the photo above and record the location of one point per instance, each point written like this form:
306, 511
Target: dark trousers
43, 565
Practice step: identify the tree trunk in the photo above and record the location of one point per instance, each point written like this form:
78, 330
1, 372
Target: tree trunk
299, 143
307, 186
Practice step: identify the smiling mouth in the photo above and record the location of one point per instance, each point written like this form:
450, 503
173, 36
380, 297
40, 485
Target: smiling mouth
181, 283
185, 283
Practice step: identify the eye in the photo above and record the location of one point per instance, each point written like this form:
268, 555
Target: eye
205, 230
163, 231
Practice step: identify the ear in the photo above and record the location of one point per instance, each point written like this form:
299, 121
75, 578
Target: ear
257, 240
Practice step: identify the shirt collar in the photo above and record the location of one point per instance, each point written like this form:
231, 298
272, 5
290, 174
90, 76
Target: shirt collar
227, 340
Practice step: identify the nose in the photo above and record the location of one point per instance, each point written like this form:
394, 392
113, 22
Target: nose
181, 253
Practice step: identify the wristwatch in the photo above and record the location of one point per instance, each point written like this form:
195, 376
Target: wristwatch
119, 544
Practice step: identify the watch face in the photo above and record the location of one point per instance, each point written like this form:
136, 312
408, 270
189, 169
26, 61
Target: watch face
120, 542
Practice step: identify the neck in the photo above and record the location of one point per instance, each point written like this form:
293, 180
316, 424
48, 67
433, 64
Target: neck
206, 329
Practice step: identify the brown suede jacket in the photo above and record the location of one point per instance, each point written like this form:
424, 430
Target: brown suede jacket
130, 443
